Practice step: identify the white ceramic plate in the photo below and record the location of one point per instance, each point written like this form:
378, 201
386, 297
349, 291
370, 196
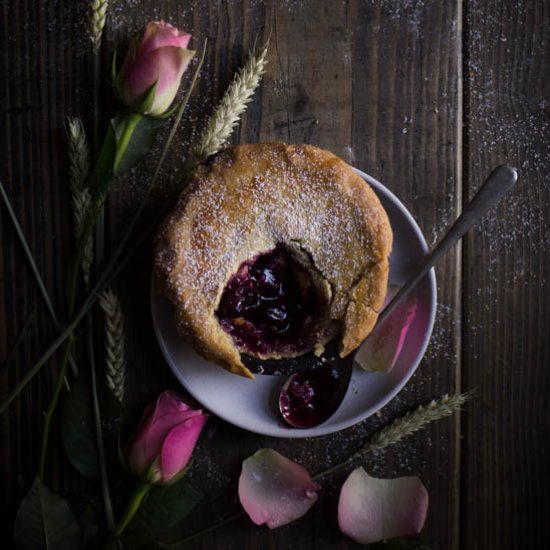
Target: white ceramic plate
252, 404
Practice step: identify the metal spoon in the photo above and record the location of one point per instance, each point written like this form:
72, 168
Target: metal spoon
316, 386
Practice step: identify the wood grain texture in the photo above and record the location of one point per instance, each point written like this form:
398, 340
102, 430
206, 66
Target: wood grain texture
379, 82
43, 78
506, 291
407, 120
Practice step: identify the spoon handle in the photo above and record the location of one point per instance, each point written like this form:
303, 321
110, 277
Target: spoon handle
500, 181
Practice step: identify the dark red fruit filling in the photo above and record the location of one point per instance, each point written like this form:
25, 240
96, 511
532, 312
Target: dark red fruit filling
270, 305
309, 398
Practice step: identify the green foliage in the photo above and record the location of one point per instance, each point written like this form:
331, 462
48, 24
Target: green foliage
163, 507
129, 138
135, 135
102, 176
45, 521
77, 428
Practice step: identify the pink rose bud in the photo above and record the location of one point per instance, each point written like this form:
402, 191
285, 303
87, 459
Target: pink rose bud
160, 57
165, 438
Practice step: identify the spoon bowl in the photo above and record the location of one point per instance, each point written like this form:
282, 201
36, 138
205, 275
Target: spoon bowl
309, 398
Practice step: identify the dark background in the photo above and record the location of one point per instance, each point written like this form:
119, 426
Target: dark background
427, 96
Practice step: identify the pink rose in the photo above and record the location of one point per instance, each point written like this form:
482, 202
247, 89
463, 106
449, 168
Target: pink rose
162, 57
164, 440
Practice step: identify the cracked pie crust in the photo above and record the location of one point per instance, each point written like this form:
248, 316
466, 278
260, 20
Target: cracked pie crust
292, 217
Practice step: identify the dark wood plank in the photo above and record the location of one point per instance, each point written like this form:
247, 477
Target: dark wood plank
506, 299
43, 75
407, 119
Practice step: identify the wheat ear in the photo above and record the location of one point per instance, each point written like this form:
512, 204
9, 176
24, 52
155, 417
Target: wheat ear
79, 169
114, 342
404, 426
226, 115
415, 420
98, 16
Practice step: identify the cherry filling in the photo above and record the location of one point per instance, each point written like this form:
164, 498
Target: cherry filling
270, 305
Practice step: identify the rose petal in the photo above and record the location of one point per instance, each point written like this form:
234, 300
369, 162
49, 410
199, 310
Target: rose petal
275, 490
137, 459
157, 432
179, 444
174, 62
170, 411
159, 34
164, 441
169, 401
165, 66
382, 348
371, 509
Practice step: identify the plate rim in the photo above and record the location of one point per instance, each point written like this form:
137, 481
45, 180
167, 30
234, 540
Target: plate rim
280, 431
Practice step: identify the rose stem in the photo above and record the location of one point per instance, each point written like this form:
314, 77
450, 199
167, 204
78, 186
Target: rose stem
140, 490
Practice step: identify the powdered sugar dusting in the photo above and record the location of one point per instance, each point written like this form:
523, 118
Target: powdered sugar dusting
508, 121
250, 199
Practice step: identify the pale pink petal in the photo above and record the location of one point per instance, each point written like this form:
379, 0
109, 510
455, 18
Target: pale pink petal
371, 509
174, 63
138, 74
179, 444
382, 348
160, 57
275, 490
165, 66
184, 39
159, 34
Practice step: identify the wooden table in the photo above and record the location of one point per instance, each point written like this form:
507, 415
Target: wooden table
425, 95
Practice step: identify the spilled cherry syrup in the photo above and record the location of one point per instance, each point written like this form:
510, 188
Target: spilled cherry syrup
270, 305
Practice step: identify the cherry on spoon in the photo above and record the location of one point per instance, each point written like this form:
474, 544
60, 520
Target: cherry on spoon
309, 398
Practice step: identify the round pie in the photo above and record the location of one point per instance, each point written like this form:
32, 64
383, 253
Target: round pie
272, 251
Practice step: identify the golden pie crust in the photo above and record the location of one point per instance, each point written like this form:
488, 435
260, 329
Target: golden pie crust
247, 199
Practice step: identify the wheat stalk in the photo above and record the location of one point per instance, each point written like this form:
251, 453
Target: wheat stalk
81, 203
404, 426
415, 420
97, 21
79, 169
226, 115
114, 342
